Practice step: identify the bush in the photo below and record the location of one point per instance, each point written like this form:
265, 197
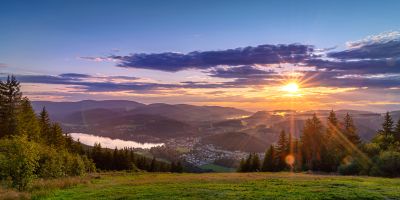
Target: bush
353, 168
388, 164
51, 164
18, 161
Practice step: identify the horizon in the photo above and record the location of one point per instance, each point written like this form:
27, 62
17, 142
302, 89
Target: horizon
206, 53
251, 111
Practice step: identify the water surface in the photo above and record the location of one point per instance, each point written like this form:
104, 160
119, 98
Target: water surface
107, 142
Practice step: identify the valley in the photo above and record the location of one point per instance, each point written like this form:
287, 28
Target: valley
198, 135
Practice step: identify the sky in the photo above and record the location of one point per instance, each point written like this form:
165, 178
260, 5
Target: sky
244, 54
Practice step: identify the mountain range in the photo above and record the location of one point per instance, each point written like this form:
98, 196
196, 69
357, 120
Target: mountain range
225, 127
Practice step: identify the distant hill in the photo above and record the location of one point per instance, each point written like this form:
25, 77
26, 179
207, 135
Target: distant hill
59, 110
233, 141
190, 113
182, 112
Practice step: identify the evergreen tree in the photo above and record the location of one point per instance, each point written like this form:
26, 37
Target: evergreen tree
247, 165
289, 145
386, 136
45, 126
281, 150
350, 130
332, 126
10, 100
242, 165
311, 139
397, 131
255, 165
56, 137
332, 151
153, 165
27, 122
269, 160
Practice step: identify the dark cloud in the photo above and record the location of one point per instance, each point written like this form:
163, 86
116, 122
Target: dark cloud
358, 66
74, 75
241, 72
94, 85
172, 62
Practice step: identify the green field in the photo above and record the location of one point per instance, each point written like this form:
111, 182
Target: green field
229, 186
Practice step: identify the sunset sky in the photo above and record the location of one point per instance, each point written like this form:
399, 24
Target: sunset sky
254, 55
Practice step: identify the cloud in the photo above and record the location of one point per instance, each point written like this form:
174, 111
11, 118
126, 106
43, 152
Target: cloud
108, 84
172, 62
97, 59
241, 72
3, 65
382, 46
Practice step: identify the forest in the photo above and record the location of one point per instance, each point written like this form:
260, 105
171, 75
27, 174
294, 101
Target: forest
334, 148
33, 147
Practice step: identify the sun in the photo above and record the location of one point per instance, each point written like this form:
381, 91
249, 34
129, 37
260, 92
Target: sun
291, 87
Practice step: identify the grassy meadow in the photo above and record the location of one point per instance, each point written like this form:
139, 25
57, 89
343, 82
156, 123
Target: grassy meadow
212, 186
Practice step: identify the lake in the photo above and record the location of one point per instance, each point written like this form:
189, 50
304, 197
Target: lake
107, 142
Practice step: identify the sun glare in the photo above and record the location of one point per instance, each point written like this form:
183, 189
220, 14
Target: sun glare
291, 88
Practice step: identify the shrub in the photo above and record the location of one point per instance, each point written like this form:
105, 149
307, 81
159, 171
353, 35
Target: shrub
353, 168
18, 161
388, 164
51, 164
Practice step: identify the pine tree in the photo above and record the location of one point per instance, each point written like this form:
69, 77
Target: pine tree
255, 165
332, 151
386, 136
281, 150
27, 122
350, 130
269, 160
397, 131
153, 165
289, 145
179, 167
10, 101
242, 166
311, 140
45, 126
56, 136
332, 126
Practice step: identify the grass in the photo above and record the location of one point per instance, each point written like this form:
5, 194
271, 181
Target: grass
217, 168
227, 186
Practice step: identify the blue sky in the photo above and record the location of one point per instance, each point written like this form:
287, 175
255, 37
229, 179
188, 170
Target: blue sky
49, 38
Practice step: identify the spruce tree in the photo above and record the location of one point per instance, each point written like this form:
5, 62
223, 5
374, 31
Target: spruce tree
332, 151
281, 150
386, 136
56, 137
45, 126
255, 165
247, 165
153, 165
269, 160
311, 140
350, 130
397, 131
10, 100
27, 121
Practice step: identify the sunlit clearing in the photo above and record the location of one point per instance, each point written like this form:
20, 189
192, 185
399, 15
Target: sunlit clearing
291, 87
289, 159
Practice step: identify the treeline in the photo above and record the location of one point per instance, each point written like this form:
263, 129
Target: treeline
33, 146
127, 159
335, 147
